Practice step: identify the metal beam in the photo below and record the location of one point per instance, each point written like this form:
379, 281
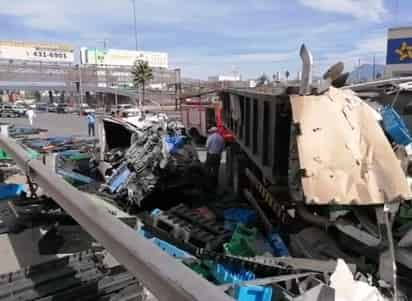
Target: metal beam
162, 275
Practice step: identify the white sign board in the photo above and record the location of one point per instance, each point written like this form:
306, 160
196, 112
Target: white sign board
36, 52
114, 57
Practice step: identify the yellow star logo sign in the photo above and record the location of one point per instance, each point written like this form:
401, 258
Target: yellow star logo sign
405, 52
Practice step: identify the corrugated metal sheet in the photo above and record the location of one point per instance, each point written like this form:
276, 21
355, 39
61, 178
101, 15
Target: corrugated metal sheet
343, 152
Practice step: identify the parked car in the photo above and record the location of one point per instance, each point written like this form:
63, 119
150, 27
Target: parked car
7, 111
41, 106
20, 109
65, 108
85, 109
125, 110
52, 108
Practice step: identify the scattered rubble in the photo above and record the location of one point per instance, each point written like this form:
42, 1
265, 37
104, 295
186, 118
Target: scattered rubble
82, 276
145, 157
341, 251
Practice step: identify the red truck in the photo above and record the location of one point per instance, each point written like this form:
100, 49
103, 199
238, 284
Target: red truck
200, 116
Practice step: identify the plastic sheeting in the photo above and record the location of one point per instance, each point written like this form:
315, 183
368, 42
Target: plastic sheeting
347, 289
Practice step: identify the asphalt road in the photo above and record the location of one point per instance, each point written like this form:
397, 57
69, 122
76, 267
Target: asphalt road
56, 124
63, 124
20, 250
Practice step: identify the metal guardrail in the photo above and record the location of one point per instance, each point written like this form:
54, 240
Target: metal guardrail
162, 275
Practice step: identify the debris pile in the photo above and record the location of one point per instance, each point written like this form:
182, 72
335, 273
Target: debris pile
319, 244
82, 276
59, 143
341, 251
347, 261
146, 157
21, 132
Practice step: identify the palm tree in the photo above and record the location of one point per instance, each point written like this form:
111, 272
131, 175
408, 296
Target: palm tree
262, 80
142, 73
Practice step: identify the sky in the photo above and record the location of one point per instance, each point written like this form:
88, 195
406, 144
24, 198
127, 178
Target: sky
211, 37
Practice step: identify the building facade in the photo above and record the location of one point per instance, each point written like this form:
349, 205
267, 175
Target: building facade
126, 58
225, 78
399, 52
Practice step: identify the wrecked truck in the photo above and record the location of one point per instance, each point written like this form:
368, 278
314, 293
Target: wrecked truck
318, 162
142, 158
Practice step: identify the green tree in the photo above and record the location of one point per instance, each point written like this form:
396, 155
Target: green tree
142, 73
262, 80
287, 74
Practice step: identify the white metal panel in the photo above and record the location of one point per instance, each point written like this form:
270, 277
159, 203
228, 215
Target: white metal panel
344, 152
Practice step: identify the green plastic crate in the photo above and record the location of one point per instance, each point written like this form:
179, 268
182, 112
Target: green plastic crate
3, 155
242, 243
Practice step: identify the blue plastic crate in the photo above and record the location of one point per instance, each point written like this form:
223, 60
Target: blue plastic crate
278, 245
70, 152
395, 127
230, 226
171, 249
253, 293
145, 234
240, 215
10, 191
75, 176
226, 274
165, 246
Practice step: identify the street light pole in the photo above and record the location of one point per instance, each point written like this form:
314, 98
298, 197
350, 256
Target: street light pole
135, 24
80, 85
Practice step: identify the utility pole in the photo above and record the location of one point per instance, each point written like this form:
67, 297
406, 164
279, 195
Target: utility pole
135, 24
358, 70
374, 68
178, 88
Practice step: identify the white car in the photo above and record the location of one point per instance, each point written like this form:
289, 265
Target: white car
85, 109
19, 109
125, 110
7, 111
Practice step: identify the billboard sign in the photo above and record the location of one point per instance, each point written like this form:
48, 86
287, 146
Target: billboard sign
44, 52
399, 51
123, 57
